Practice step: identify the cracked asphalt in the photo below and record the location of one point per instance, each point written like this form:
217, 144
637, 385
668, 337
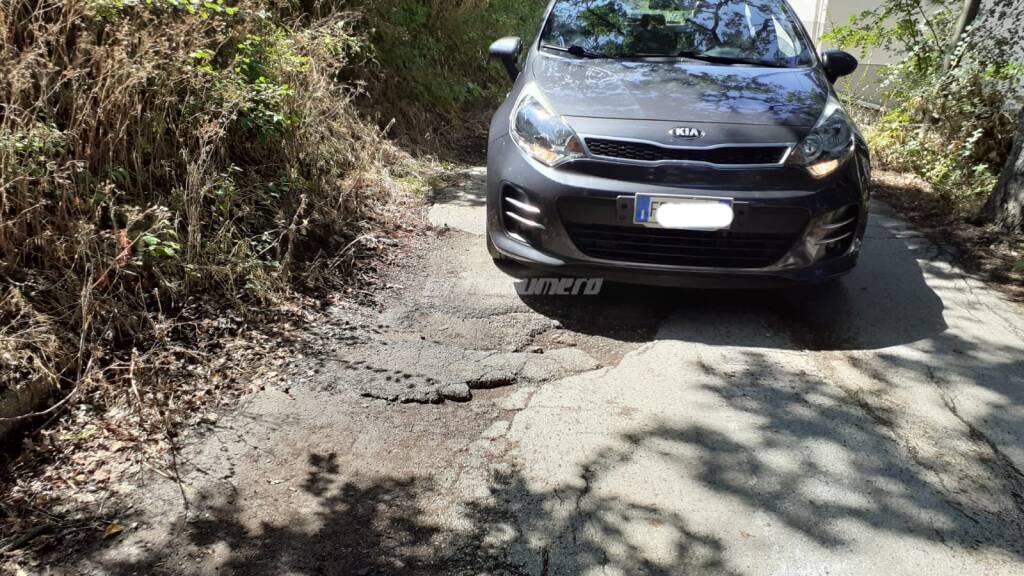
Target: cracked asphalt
872, 427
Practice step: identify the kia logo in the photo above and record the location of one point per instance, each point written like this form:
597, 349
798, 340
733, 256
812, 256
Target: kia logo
688, 132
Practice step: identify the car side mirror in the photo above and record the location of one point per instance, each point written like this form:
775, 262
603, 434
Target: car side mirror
838, 64
507, 50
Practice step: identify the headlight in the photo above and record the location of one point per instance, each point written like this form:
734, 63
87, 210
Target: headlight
540, 132
829, 143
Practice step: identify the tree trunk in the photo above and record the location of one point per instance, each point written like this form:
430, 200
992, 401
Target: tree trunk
967, 17
1006, 205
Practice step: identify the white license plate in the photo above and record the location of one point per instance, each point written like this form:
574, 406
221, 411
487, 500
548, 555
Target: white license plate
701, 214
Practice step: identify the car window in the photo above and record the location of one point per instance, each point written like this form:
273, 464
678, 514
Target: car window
759, 31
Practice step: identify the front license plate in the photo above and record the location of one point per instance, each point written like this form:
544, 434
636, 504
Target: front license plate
701, 214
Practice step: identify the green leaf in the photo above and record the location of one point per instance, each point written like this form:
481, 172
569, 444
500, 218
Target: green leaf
150, 240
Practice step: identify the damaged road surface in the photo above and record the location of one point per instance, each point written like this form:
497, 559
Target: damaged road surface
872, 427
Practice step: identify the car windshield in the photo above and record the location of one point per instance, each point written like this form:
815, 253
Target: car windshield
760, 32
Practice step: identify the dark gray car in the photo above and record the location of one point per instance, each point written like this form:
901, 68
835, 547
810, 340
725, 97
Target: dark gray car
683, 142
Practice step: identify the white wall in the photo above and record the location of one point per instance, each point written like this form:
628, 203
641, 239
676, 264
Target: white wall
820, 16
812, 12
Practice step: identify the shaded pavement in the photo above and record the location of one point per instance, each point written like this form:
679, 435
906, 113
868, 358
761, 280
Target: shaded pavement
875, 427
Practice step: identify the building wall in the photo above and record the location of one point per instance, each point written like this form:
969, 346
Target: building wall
813, 14
820, 16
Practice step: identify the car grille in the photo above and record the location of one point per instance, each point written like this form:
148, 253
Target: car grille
725, 156
680, 247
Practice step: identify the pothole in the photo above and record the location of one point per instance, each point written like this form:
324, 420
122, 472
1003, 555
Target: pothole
429, 373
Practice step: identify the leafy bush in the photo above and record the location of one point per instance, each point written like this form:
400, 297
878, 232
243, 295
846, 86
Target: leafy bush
951, 111
159, 155
162, 159
430, 70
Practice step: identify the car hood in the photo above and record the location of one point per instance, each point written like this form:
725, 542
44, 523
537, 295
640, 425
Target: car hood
681, 91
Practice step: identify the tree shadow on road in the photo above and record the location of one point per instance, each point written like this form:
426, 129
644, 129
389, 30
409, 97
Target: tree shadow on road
828, 465
388, 526
834, 465
851, 457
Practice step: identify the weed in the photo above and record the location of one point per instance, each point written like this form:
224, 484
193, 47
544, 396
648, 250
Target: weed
947, 117
429, 69
161, 160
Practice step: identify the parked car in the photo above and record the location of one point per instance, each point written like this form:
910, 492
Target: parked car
676, 142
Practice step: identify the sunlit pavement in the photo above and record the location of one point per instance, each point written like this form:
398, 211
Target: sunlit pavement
873, 427
876, 427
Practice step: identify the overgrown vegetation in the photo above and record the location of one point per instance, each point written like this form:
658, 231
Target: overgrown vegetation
160, 155
951, 106
173, 170
430, 71
155, 151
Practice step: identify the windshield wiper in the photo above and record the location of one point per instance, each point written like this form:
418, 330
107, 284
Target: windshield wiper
727, 59
575, 50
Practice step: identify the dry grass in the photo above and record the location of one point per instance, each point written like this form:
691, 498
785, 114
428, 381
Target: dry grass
149, 156
171, 171
177, 178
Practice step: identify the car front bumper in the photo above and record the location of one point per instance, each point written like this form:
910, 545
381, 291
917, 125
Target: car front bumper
578, 222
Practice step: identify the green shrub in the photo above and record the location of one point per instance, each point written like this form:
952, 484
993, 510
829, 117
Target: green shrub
430, 70
162, 160
950, 118
164, 156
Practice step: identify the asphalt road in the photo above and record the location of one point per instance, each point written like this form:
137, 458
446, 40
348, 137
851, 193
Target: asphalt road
876, 427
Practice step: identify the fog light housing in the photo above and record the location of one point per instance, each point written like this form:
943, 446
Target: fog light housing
836, 233
521, 216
